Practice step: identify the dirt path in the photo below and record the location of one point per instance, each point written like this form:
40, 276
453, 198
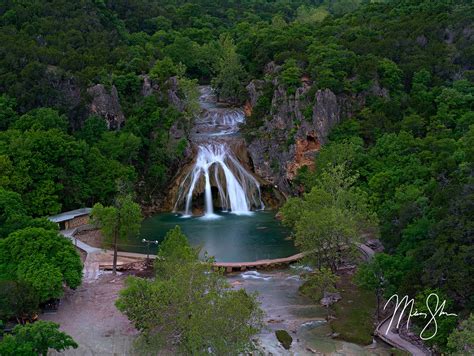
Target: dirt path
90, 317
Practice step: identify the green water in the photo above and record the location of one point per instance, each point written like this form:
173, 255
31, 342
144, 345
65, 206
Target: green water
229, 238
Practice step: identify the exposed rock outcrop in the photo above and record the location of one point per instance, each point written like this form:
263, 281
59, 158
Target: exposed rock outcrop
106, 104
168, 91
254, 89
299, 124
305, 151
330, 298
149, 86
67, 95
173, 88
271, 68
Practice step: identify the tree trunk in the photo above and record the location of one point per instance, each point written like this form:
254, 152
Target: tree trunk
114, 265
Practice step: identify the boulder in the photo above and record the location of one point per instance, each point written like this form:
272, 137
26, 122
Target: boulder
330, 298
149, 87
284, 338
105, 103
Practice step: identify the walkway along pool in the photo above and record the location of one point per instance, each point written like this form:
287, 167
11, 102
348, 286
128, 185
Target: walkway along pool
228, 237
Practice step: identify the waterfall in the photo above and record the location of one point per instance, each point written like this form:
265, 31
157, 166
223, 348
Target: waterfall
238, 190
216, 169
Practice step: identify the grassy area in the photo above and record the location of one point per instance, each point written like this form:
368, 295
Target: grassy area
354, 313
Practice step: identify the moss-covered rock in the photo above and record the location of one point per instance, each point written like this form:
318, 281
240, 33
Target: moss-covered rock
284, 338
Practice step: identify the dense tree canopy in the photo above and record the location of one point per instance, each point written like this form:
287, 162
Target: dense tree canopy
41, 258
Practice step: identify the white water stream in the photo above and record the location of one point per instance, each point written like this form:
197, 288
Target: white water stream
216, 165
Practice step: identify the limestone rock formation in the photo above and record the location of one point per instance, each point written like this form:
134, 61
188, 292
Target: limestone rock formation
299, 124
330, 298
173, 87
254, 90
169, 91
149, 86
106, 104
67, 95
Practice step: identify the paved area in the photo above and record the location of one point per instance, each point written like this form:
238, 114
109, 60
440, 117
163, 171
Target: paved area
230, 266
392, 337
83, 246
89, 315
97, 258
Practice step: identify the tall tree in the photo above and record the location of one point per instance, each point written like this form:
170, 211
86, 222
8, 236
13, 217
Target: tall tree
230, 74
370, 277
117, 222
329, 220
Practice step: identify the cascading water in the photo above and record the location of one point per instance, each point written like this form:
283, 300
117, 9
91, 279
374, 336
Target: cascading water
216, 168
238, 190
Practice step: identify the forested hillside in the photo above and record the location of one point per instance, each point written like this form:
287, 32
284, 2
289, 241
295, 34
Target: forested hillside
94, 92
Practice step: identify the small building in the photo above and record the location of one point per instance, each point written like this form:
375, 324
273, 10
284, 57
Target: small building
71, 219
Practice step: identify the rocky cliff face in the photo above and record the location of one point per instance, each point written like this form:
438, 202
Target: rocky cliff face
105, 103
298, 125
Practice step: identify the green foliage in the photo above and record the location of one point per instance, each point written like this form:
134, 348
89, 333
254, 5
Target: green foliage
390, 75
311, 15
124, 217
202, 315
228, 81
330, 66
18, 300
165, 68
53, 171
120, 146
36, 339
461, 340
285, 339
345, 152
93, 129
117, 222
12, 212
8, 112
427, 301
319, 282
342, 7
41, 258
370, 275
291, 75
41, 119
329, 219
175, 248
354, 313
44, 165
190, 100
